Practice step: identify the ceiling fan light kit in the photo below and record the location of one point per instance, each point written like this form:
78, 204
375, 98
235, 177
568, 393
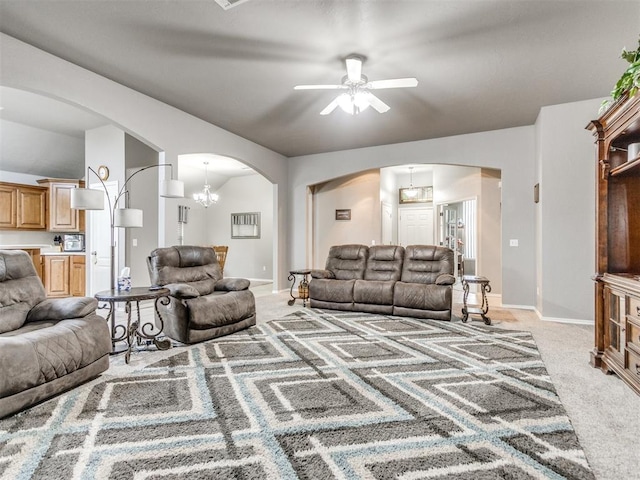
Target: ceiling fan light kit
358, 96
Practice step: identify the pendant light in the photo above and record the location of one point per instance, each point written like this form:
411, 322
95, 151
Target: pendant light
411, 192
206, 198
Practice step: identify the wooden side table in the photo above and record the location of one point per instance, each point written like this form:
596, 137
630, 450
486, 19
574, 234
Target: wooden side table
477, 309
303, 286
135, 331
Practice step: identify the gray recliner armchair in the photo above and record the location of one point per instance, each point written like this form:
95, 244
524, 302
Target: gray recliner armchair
202, 304
47, 346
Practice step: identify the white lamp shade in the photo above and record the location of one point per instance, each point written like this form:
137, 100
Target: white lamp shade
171, 189
87, 199
127, 218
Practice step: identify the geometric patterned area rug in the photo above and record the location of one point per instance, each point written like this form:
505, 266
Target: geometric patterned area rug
314, 395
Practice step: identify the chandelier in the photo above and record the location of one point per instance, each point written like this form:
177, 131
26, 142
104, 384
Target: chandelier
412, 191
206, 197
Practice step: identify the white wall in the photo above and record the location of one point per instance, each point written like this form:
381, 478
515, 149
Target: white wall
247, 257
566, 220
23, 144
361, 194
143, 194
164, 128
509, 150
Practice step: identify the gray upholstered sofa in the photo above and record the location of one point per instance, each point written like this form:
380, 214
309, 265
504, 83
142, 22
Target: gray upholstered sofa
47, 346
202, 305
415, 281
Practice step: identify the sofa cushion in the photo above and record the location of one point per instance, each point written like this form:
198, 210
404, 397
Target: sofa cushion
44, 351
185, 264
347, 262
339, 291
20, 289
384, 263
424, 263
422, 296
220, 308
63, 308
373, 292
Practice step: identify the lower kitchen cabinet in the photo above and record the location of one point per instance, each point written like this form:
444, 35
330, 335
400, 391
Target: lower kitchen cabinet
64, 275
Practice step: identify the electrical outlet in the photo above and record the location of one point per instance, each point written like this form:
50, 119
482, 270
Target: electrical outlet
264, 268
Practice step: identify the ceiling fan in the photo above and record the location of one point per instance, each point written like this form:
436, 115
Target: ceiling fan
357, 96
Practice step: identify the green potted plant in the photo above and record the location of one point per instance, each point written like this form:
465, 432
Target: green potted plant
630, 79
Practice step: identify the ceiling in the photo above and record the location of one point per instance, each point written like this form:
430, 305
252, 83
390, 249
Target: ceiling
481, 65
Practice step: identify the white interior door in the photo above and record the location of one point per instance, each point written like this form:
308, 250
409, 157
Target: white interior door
415, 226
99, 243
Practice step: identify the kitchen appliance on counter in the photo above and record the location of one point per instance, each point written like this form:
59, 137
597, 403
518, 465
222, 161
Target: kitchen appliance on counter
73, 242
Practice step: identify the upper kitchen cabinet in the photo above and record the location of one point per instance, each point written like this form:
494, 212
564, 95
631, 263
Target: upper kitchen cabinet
62, 218
23, 207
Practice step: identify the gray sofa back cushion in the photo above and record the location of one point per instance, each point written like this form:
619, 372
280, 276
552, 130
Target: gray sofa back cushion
384, 263
20, 289
424, 263
197, 266
347, 262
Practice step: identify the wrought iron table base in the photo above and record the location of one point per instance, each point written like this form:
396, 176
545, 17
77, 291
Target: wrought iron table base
303, 286
481, 309
135, 332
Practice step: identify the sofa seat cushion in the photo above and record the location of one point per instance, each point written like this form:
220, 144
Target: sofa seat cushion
220, 308
44, 351
332, 291
422, 297
373, 292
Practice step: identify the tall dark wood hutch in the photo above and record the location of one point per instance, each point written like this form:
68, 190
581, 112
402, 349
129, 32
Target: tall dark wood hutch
617, 290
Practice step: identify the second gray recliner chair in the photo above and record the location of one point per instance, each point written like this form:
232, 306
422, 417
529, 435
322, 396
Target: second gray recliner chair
202, 305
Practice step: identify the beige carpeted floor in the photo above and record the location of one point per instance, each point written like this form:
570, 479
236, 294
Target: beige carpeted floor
605, 412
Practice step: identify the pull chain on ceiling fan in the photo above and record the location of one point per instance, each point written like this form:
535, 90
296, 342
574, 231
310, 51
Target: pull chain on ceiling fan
357, 96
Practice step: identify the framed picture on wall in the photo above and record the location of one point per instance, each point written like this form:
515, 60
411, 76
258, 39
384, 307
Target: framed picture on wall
245, 225
416, 195
343, 214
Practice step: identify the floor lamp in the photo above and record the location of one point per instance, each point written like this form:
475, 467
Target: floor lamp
92, 199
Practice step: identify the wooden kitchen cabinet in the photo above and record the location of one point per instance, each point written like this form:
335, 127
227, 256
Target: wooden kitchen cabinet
56, 275
64, 275
22, 207
77, 276
61, 218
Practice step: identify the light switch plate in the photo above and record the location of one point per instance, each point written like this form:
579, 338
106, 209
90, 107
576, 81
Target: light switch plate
513, 242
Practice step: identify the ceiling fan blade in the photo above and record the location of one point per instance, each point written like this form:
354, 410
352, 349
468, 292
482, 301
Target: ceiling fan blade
393, 83
318, 87
354, 68
330, 108
378, 104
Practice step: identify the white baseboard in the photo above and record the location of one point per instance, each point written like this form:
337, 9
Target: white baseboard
519, 307
573, 321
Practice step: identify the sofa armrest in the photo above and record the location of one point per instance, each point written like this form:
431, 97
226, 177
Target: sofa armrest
62, 308
445, 279
182, 290
232, 284
322, 274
